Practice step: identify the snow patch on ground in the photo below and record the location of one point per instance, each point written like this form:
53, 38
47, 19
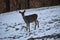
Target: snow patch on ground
13, 27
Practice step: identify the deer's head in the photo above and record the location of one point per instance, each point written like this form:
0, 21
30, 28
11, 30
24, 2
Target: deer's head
22, 12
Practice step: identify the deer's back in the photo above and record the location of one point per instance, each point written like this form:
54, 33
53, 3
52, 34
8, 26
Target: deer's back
30, 18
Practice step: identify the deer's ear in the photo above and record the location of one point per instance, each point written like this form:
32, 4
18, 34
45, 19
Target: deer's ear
19, 11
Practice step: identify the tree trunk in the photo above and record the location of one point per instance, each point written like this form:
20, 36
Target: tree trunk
7, 5
28, 3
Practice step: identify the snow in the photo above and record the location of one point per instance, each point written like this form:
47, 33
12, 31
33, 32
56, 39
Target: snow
12, 22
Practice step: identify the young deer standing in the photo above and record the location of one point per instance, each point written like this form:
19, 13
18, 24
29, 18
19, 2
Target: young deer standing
28, 19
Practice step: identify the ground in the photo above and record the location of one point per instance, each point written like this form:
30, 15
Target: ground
12, 22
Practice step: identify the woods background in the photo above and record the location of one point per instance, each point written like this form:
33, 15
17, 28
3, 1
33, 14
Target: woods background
10, 5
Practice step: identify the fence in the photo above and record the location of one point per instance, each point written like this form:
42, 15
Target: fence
10, 5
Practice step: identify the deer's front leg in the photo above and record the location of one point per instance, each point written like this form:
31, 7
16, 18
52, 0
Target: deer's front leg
28, 27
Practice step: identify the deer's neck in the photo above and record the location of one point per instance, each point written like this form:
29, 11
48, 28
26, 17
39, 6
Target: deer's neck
23, 17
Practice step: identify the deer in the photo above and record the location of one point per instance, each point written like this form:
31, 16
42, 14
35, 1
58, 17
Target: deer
29, 19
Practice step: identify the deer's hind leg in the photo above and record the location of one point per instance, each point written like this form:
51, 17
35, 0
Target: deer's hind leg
36, 23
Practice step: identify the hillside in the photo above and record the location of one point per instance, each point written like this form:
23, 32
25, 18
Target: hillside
12, 22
